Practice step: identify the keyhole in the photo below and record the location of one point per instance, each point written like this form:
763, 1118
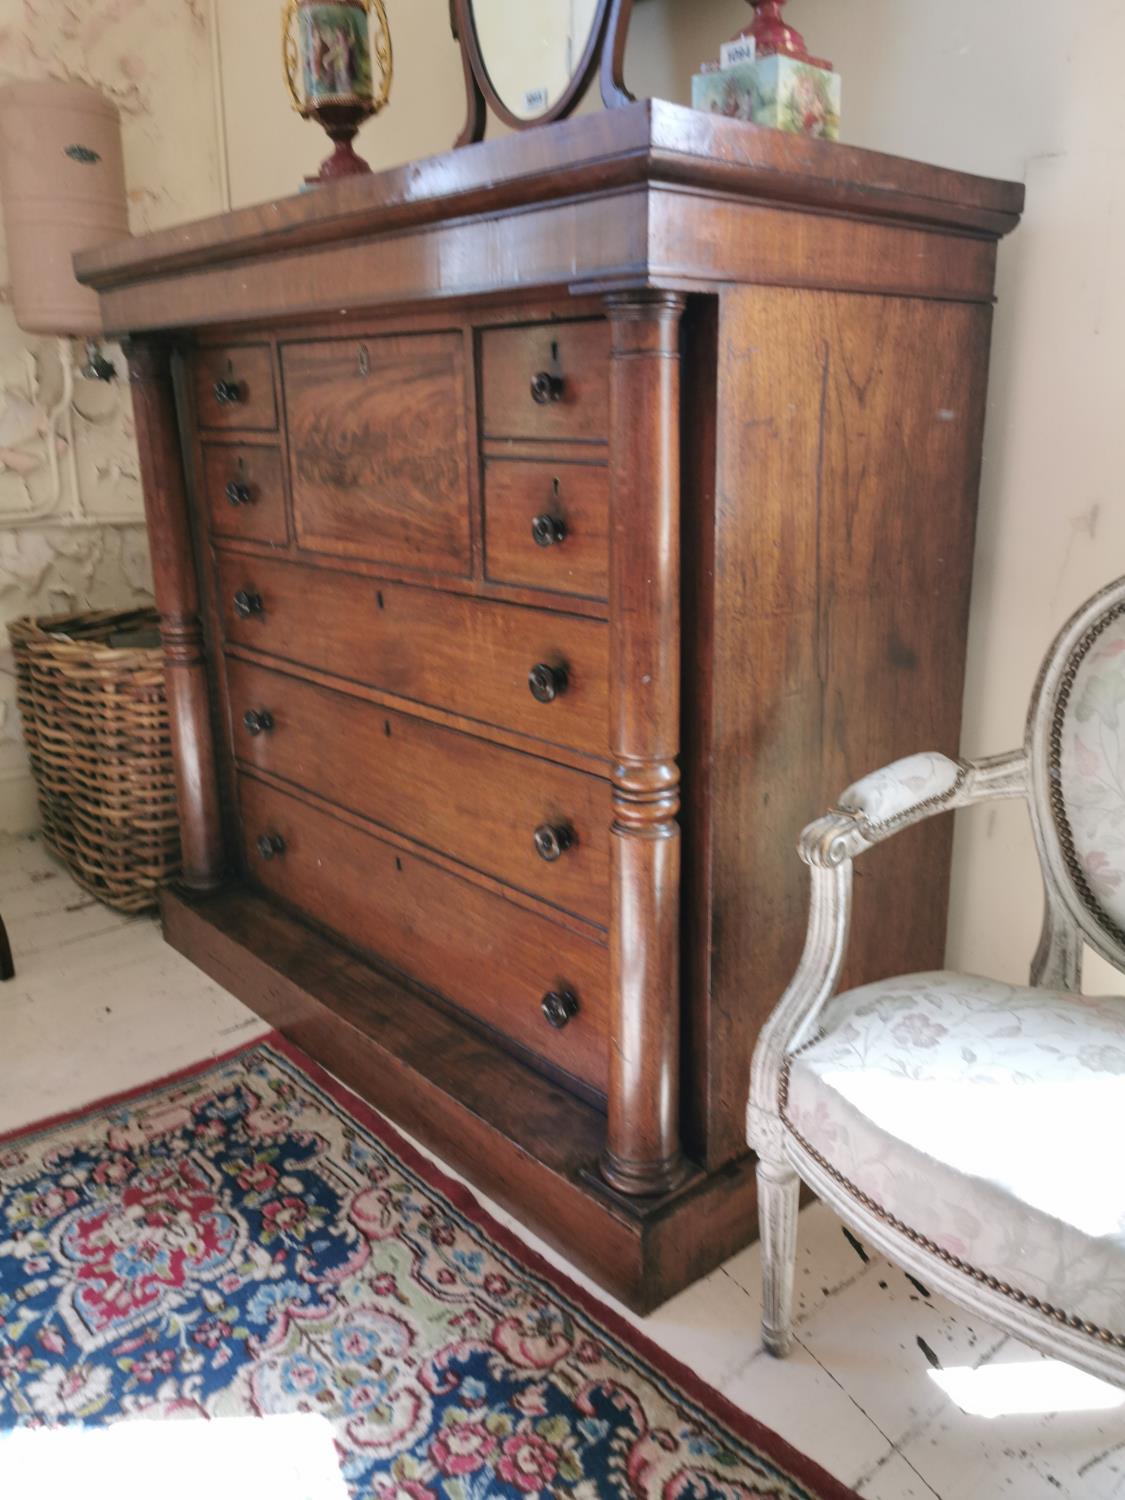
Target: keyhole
398, 864
556, 487
555, 352
364, 361
387, 727
379, 598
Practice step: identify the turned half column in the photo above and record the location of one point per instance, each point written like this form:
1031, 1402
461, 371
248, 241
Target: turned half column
642, 1155
177, 599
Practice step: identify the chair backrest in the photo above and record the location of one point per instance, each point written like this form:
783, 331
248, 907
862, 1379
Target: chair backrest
1076, 759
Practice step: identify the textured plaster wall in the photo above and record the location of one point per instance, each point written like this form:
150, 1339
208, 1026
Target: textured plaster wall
153, 58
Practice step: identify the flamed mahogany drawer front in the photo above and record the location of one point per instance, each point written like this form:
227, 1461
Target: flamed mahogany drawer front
528, 822
546, 526
378, 448
529, 670
234, 388
549, 380
518, 972
244, 491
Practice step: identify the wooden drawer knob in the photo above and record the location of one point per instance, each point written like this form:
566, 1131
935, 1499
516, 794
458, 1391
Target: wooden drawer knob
239, 493
548, 531
257, 721
228, 392
560, 1008
247, 604
547, 683
552, 841
271, 845
547, 388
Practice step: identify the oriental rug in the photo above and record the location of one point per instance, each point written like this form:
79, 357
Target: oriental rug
250, 1239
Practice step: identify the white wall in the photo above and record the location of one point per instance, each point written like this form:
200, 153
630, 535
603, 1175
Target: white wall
1021, 88
1027, 89
153, 58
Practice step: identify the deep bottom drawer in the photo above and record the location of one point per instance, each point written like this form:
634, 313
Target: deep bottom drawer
498, 961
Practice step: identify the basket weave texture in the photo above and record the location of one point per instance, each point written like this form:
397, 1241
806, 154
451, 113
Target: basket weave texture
95, 718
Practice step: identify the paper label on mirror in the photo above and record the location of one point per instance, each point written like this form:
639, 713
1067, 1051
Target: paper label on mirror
535, 101
743, 49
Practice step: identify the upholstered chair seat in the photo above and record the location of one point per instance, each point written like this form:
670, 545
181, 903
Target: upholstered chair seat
964, 1110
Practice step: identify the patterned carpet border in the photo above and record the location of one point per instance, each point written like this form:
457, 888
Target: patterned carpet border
678, 1383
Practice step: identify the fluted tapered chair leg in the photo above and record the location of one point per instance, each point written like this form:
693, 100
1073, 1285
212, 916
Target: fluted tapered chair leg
778, 1195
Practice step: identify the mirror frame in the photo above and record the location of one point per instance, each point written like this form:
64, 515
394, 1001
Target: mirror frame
604, 54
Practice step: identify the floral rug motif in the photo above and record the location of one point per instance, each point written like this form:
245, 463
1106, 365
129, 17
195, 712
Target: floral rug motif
250, 1239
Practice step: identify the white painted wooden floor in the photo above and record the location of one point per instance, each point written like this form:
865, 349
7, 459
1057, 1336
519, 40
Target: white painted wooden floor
99, 1005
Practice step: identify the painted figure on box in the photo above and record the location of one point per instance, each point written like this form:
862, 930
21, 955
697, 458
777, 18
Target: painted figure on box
728, 92
799, 97
336, 54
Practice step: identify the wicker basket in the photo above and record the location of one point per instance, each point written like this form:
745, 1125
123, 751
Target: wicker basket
95, 717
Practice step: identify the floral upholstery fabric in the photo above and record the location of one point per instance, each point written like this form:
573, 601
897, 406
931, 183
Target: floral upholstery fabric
886, 794
1092, 769
986, 1117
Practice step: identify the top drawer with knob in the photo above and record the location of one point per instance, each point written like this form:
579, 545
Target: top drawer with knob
546, 382
234, 388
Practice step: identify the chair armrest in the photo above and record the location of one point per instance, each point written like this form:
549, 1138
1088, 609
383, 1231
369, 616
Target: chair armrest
903, 789
870, 811
905, 793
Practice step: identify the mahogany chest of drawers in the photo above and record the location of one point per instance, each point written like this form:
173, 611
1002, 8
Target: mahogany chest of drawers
541, 535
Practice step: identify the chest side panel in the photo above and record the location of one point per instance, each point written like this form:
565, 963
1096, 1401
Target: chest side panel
835, 589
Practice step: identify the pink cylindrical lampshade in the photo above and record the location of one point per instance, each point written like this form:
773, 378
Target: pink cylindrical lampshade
62, 183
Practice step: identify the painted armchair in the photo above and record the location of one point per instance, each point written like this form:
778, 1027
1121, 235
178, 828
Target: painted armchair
970, 1130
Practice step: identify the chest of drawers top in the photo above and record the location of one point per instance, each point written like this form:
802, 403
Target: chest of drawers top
651, 191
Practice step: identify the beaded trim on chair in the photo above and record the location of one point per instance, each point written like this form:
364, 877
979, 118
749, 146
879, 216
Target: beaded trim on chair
1054, 775
869, 827
1025, 1299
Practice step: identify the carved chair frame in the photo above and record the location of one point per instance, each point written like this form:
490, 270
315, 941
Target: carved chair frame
1072, 917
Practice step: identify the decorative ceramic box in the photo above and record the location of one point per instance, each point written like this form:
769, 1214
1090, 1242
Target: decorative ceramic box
785, 92
798, 96
725, 91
